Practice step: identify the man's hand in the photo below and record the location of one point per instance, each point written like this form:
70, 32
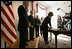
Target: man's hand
32, 26
29, 24
50, 28
59, 25
37, 23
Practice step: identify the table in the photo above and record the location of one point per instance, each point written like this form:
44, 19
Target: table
57, 32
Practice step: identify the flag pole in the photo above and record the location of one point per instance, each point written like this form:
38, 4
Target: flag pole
5, 44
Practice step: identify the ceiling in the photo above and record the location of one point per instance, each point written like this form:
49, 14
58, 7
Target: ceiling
54, 3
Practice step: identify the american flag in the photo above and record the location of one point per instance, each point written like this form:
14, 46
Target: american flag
8, 30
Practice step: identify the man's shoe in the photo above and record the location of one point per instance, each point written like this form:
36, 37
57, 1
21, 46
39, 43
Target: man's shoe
26, 44
46, 42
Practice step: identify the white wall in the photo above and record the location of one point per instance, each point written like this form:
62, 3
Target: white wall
41, 12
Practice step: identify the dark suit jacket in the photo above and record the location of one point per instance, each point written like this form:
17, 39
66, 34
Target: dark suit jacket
37, 21
31, 20
23, 18
46, 22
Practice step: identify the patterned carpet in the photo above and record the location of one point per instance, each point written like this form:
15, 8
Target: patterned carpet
62, 42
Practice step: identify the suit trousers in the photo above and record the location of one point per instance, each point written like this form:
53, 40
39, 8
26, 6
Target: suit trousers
45, 35
31, 33
37, 30
23, 38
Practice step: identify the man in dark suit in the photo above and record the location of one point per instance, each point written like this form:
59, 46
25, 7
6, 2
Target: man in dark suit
23, 23
31, 27
37, 23
45, 27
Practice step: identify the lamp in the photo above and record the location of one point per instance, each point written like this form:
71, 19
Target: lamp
61, 9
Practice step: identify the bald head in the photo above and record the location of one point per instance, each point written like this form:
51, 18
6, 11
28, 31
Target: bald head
31, 12
26, 4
